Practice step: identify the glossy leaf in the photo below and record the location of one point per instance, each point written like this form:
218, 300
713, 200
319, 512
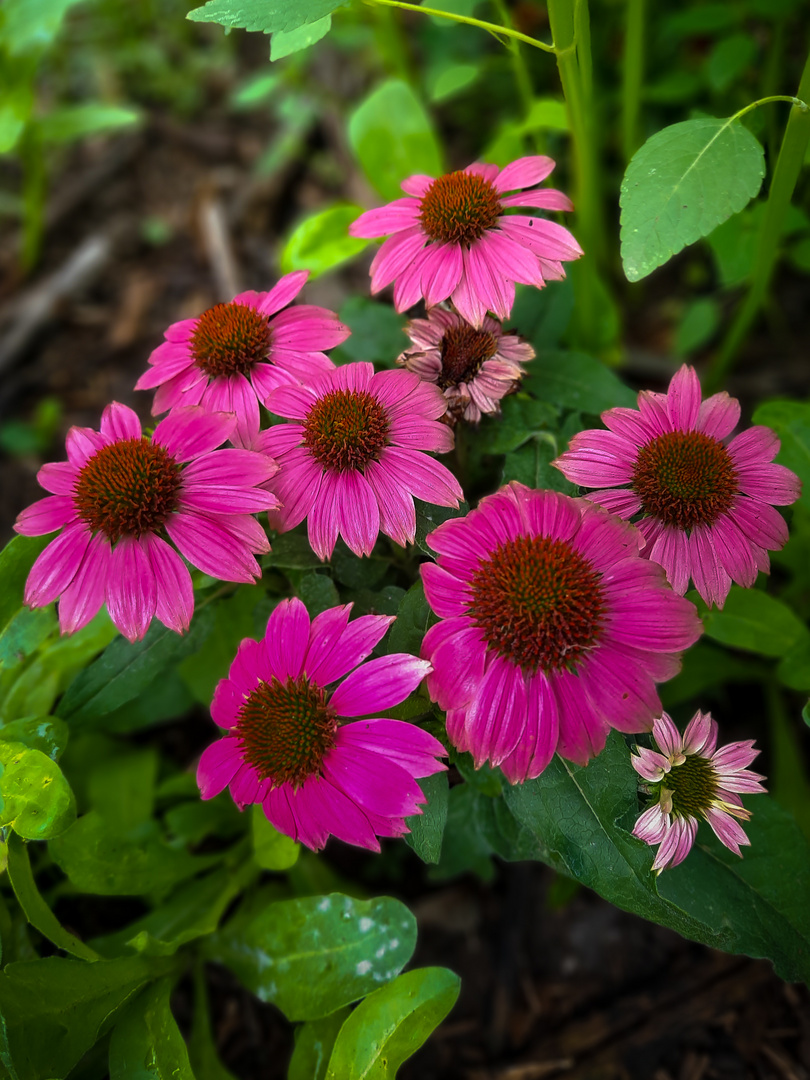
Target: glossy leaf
681, 184
389, 153
392, 1023
313, 1046
146, 1043
754, 621
272, 850
427, 828
582, 817
574, 380
268, 16
125, 669
100, 860
54, 1010
37, 801
313, 955
34, 907
322, 242
46, 733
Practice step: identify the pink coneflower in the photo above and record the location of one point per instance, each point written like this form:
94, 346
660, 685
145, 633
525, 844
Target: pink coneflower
690, 779
351, 462
455, 237
119, 496
286, 747
553, 629
707, 507
474, 367
232, 356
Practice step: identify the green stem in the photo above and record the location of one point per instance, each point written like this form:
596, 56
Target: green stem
392, 45
574, 66
785, 174
632, 75
491, 28
519, 66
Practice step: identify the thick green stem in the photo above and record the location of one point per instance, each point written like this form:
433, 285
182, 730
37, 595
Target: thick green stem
574, 66
632, 75
785, 175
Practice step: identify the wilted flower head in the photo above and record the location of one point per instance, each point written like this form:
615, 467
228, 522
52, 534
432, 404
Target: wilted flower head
690, 779
287, 746
233, 355
121, 495
474, 366
553, 629
454, 237
707, 507
351, 458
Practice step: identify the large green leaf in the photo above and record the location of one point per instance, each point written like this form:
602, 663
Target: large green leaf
34, 907
313, 1046
268, 16
392, 138
681, 184
46, 733
54, 1010
272, 850
102, 860
427, 828
311, 956
37, 801
322, 242
125, 669
286, 42
582, 817
391, 1024
754, 621
146, 1043
574, 380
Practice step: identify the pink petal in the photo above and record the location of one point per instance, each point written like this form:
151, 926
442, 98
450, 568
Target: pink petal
83, 597
58, 477
407, 745
218, 765
523, 173
131, 589
46, 515
283, 292
536, 746
57, 566
754, 446
718, 415
357, 512
683, 399
447, 596
759, 522
227, 703
397, 513
120, 422
421, 476
175, 594
372, 781
211, 547
379, 685
496, 717
188, 433
286, 639
441, 272
336, 648
582, 733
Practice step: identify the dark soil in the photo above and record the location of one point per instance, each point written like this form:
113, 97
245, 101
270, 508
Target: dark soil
583, 990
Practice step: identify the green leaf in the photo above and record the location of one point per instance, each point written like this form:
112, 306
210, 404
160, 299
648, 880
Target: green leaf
427, 828
37, 801
202, 1049
24, 634
392, 138
522, 417
124, 670
322, 242
791, 422
268, 16
71, 122
193, 911
122, 788
582, 817
794, 668
16, 560
392, 1023
12, 123
754, 621
464, 849
681, 184
450, 78
292, 551
46, 733
542, 315
707, 669
210, 662
30, 27
411, 622
146, 1043
34, 907
313, 955
318, 592
285, 42
531, 465
54, 1010
574, 380
378, 332
429, 517
313, 1046
698, 325
101, 860
272, 850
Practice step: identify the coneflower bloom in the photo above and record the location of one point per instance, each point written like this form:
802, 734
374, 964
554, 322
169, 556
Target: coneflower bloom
706, 506
287, 746
474, 367
121, 495
553, 629
352, 459
690, 779
455, 237
233, 355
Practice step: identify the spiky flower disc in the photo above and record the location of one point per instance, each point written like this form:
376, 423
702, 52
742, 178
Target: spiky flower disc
704, 505
690, 780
